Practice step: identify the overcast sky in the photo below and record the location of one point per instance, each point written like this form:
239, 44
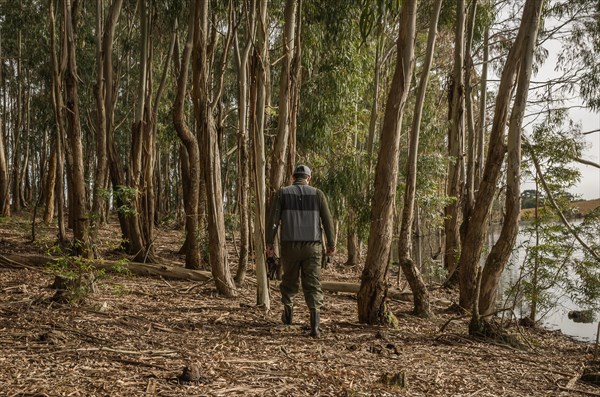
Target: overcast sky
589, 186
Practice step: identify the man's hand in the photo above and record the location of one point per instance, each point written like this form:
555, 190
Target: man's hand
330, 251
270, 251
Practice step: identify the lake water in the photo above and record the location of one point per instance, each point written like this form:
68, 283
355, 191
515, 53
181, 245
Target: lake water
557, 316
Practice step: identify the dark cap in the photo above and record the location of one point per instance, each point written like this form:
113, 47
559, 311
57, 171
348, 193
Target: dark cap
301, 170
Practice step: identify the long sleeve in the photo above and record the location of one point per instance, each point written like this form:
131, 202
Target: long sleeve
273, 219
326, 219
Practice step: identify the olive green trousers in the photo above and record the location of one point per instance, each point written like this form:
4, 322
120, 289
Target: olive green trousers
301, 260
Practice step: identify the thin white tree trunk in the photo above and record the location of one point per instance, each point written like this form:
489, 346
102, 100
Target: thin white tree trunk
260, 67
410, 270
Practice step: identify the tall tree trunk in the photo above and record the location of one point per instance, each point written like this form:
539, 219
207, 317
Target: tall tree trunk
191, 162
471, 148
16, 151
210, 153
295, 76
501, 251
352, 240
58, 106
24, 182
243, 140
101, 174
258, 99
375, 99
475, 236
4, 178
455, 146
479, 161
373, 289
410, 270
148, 160
50, 182
115, 169
155, 169
78, 206
104, 87
279, 153
139, 245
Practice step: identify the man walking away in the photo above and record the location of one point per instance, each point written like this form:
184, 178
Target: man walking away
301, 209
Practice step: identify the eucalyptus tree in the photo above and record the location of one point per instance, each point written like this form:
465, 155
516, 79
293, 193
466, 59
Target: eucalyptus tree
16, 84
192, 159
105, 32
373, 289
411, 271
115, 91
550, 255
78, 204
471, 137
156, 49
517, 70
243, 69
207, 90
142, 150
4, 180
18, 127
580, 45
58, 107
4, 171
258, 99
454, 187
334, 112
280, 147
481, 125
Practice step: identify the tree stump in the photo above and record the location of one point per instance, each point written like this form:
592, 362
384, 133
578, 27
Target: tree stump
192, 374
397, 379
70, 289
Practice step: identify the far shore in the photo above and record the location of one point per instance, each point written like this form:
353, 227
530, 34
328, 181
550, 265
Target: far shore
580, 209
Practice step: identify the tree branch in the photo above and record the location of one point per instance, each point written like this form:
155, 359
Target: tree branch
554, 204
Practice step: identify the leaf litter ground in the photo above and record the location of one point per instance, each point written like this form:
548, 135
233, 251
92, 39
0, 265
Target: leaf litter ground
135, 335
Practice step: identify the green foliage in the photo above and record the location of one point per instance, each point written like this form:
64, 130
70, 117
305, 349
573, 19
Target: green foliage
375, 14
390, 319
588, 267
528, 198
547, 263
120, 267
335, 95
554, 262
556, 142
556, 265
124, 197
580, 48
344, 181
232, 222
77, 276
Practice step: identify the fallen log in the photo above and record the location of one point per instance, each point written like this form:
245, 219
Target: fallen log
352, 288
173, 272
140, 269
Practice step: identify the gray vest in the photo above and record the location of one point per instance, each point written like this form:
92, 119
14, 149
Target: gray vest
300, 213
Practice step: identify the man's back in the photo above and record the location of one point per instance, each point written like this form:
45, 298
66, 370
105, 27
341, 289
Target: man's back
300, 213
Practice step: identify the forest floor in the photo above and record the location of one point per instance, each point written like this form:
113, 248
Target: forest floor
135, 335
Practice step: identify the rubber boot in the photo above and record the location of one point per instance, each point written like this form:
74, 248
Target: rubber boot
286, 316
315, 332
